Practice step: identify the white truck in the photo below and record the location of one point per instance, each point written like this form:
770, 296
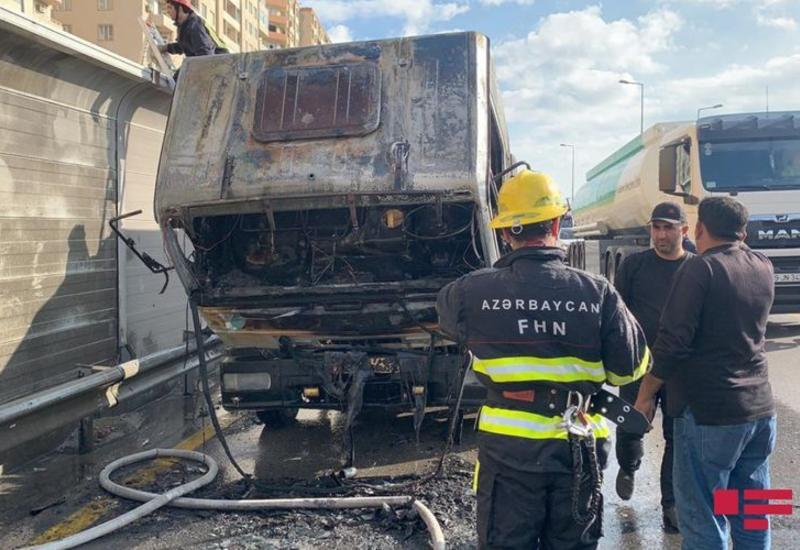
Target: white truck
754, 157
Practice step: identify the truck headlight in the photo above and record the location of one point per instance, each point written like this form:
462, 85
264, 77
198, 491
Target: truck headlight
393, 218
246, 381
234, 322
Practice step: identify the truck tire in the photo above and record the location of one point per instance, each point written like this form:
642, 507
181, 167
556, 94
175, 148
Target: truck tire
278, 418
576, 255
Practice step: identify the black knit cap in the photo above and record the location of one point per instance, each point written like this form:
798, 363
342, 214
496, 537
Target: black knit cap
669, 212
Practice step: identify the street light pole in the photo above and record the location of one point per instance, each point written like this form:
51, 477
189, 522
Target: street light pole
572, 191
717, 106
641, 101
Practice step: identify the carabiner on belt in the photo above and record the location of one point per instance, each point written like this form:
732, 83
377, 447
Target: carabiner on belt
576, 420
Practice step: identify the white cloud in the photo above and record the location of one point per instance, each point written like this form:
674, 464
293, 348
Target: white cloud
719, 4
418, 14
724, 4
768, 13
583, 40
784, 23
738, 87
501, 2
340, 33
561, 85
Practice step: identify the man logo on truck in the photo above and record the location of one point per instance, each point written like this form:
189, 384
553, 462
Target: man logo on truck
780, 234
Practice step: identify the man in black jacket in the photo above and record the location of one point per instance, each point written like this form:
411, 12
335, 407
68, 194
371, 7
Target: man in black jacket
543, 336
643, 280
710, 348
193, 38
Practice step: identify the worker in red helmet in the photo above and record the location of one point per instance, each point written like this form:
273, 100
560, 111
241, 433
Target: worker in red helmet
193, 38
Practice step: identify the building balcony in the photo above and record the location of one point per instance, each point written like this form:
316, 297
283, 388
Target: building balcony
281, 20
233, 22
280, 39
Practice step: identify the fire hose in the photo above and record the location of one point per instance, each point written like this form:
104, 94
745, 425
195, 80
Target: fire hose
174, 497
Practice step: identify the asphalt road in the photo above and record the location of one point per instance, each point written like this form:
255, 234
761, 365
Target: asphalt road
65, 483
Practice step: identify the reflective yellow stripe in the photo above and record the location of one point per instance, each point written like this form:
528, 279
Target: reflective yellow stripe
638, 372
529, 425
530, 369
601, 428
475, 476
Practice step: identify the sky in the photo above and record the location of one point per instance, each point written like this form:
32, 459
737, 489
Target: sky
559, 62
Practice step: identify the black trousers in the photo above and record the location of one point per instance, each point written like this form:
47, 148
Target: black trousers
531, 511
630, 447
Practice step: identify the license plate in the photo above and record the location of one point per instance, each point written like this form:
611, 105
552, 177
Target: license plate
384, 365
787, 277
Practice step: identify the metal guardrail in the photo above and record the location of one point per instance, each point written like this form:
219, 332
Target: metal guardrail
32, 416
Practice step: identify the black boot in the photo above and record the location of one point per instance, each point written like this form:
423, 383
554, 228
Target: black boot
670, 520
625, 484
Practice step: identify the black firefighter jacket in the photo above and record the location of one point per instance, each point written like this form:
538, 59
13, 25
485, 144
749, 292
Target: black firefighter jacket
532, 322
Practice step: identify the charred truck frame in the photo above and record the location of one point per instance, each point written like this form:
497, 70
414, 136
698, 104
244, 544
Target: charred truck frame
328, 193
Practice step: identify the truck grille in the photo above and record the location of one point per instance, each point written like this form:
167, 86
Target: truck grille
788, 264
782, 231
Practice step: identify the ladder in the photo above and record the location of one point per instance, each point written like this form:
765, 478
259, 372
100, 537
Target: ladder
154, 40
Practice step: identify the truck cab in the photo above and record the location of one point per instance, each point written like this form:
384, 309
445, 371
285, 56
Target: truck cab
327, 194
754, 157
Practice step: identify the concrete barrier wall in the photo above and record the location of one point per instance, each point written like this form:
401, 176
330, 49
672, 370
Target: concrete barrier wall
80, 138
149, 321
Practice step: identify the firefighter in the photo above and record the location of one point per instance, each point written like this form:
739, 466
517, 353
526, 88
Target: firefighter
543, 338
194, 38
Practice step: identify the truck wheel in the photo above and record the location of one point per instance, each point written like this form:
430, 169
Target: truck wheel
581, 256
278, 418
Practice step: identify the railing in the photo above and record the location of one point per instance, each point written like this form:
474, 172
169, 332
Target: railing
35, 415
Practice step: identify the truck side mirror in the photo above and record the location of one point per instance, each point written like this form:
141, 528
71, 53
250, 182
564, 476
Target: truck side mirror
667, 169
675, 170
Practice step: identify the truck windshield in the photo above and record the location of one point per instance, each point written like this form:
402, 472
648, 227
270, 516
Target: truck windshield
750, 165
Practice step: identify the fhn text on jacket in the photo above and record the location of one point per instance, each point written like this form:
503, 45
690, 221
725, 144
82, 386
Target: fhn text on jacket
527, 325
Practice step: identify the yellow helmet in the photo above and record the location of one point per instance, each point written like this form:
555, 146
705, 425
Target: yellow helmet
528, 197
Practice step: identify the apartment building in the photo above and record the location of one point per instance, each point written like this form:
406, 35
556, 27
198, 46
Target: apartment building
39, 10
284, 23
236, 21
113, 24
245, 25
312, 33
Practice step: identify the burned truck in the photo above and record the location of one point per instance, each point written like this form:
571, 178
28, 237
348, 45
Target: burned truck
328, 193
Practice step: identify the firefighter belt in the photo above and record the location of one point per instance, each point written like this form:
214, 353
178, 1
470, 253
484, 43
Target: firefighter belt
538, 413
